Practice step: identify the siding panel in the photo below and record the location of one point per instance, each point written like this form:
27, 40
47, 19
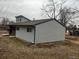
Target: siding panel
49, 31
23, 34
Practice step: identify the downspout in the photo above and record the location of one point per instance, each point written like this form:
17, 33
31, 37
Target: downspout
34, 34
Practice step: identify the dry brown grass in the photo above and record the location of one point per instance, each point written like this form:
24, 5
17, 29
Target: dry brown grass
12, 48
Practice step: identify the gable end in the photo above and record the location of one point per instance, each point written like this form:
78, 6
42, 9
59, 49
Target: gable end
20, 16
51, 20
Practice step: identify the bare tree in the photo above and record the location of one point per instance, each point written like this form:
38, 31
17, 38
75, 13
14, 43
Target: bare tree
52, 8
5, 21
56, 9
67, 14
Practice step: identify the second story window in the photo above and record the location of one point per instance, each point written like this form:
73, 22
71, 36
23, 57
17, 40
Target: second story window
20, 19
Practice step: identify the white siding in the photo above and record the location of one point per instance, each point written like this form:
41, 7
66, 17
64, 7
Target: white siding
49, 31
23, 34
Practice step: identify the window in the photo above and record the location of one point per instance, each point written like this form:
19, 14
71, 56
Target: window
17, 28
20, 19
29, 29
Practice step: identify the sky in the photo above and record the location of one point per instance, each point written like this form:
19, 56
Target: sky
28, 8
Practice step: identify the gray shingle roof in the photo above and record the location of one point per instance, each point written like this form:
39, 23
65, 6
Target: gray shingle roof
34, 22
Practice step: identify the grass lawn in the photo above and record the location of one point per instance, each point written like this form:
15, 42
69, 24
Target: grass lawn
12, 48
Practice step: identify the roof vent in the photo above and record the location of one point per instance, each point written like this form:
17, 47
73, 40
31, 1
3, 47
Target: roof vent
33, 19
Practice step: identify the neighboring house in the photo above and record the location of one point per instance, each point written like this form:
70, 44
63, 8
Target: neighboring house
39, 31
3, 29
74, 31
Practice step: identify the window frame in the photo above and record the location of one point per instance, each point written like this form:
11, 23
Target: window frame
29, 29
19, 19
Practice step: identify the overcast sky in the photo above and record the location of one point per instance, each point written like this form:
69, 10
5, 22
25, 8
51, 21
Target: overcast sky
28, 8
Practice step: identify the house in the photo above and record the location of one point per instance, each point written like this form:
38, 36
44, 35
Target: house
73, 31
3, 27
39, 31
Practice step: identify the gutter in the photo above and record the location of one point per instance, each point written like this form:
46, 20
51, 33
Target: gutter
34, 34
